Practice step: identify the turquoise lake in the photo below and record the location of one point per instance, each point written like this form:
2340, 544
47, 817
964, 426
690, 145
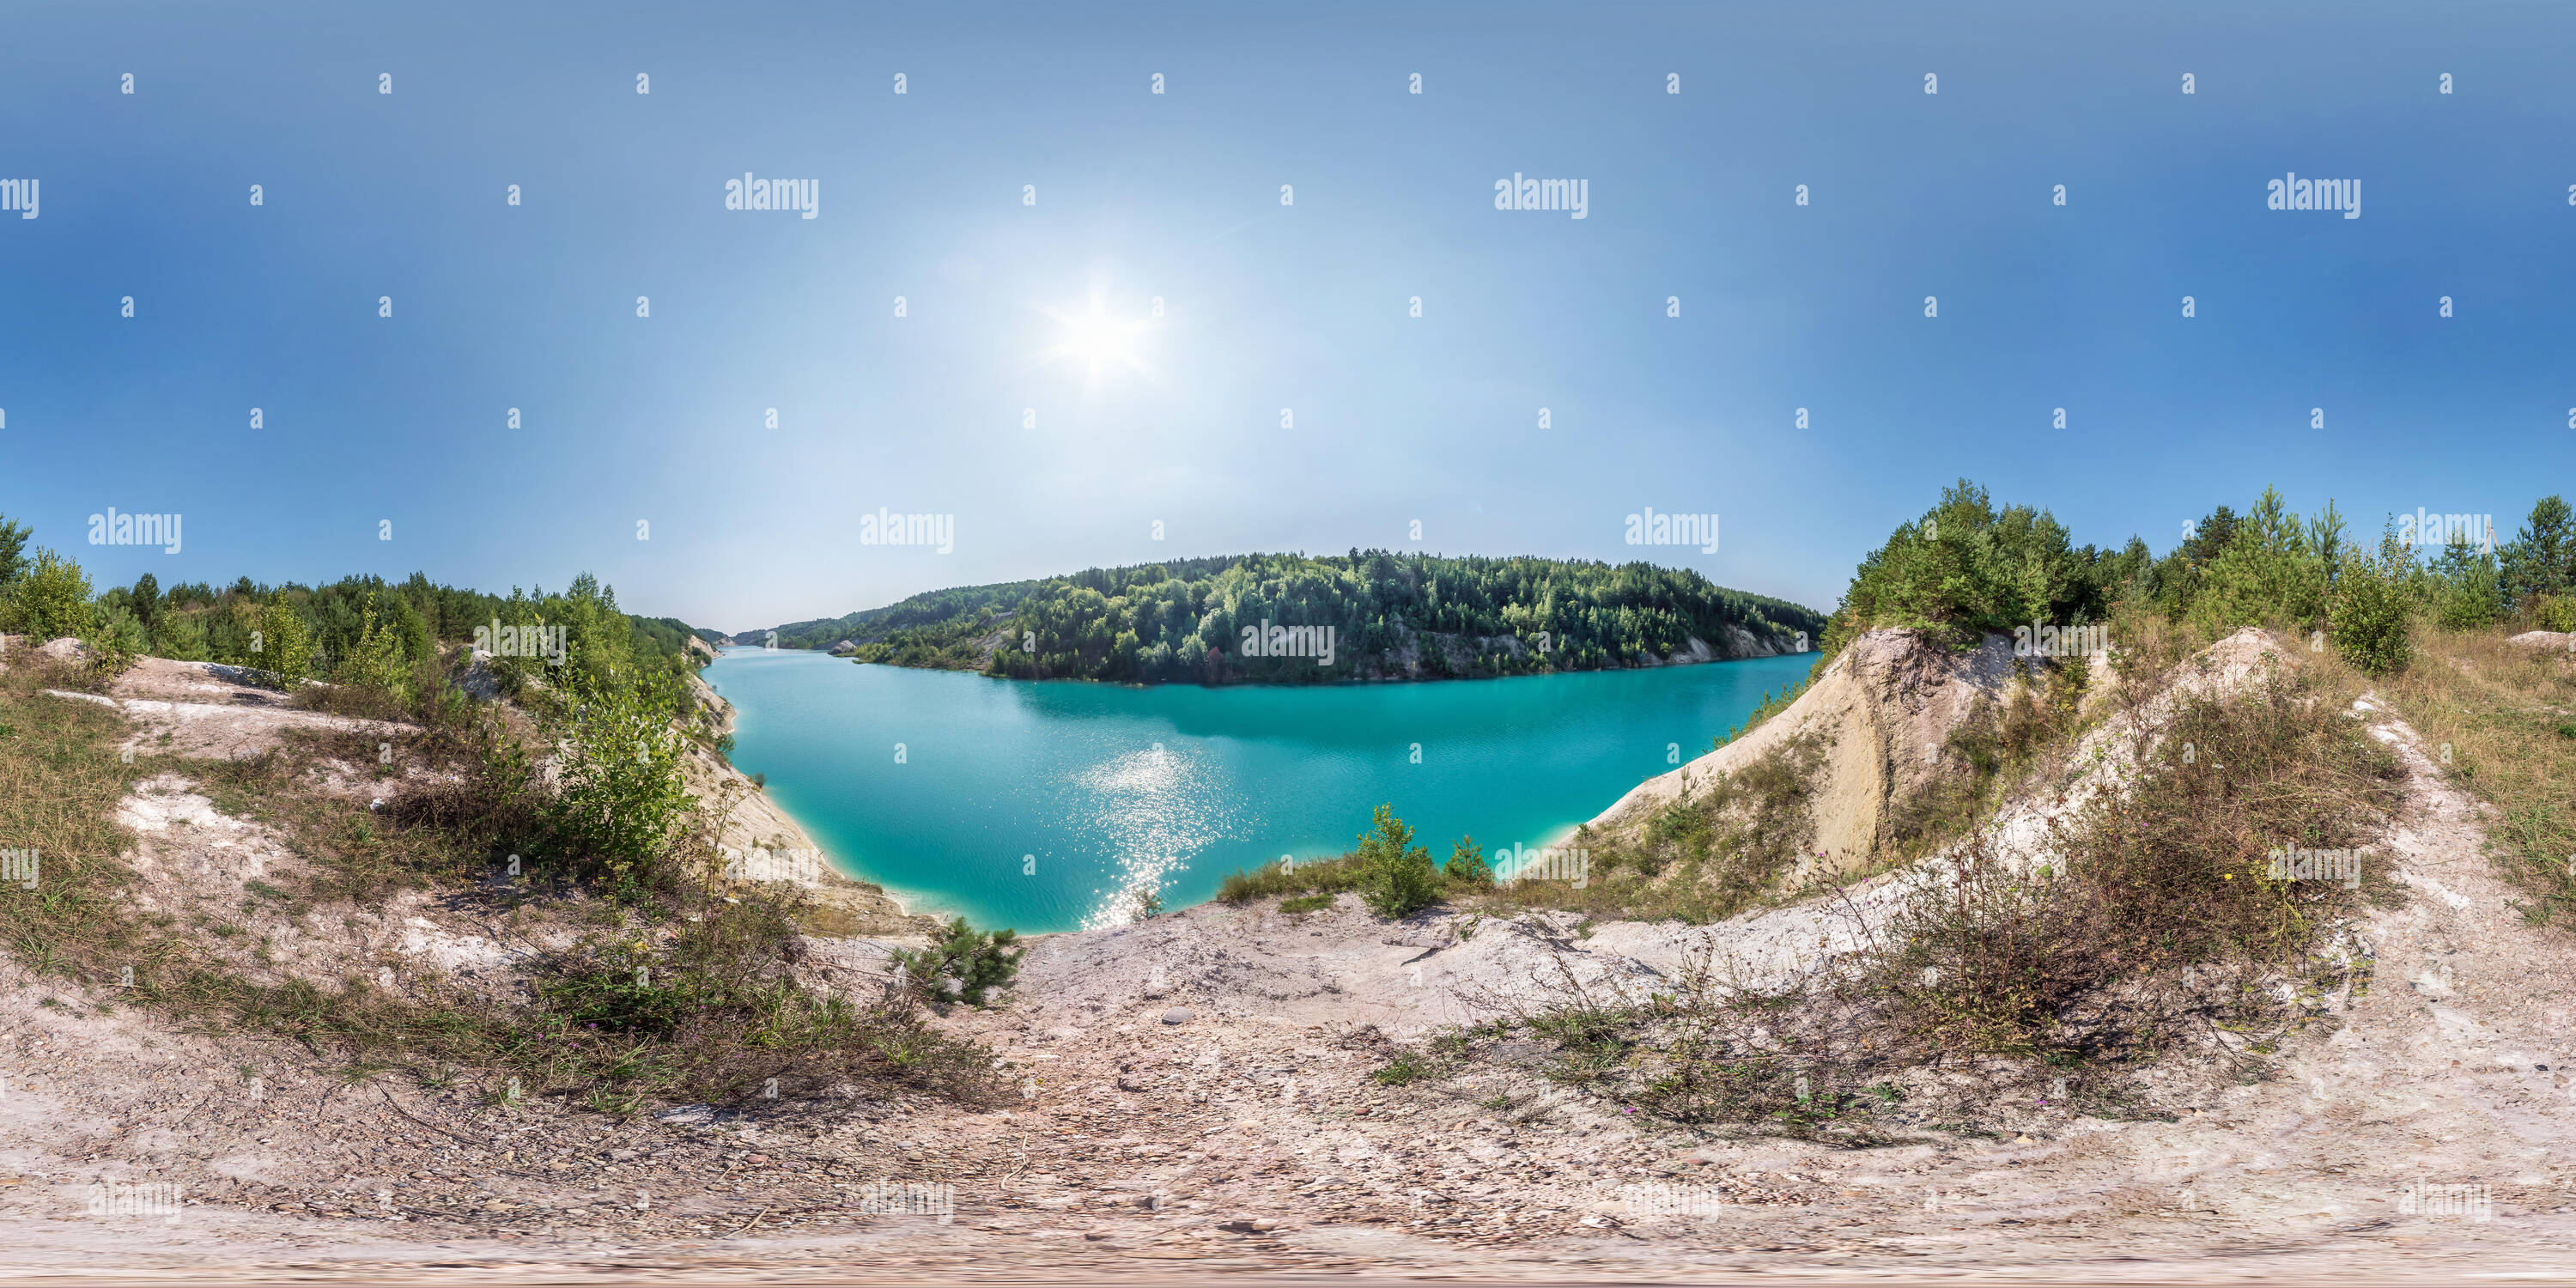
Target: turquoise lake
1045, 806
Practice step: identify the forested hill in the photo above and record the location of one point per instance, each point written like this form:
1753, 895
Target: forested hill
1392, 617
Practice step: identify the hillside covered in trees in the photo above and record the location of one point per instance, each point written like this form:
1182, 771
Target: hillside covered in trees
1392, 617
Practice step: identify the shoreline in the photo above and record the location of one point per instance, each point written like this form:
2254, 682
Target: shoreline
921, 907
853, 903
1354, 682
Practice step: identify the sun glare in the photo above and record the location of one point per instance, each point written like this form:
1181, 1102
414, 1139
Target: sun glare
1098, 341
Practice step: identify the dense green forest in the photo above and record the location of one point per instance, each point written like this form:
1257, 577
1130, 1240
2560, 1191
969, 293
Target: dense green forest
1391, 615
385, 629
1966, 567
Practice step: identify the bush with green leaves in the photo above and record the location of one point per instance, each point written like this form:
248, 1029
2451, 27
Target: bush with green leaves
13, 550
963, 966
1467, 869
375, 662
181, 637
2368, 618
2272, 571
1397, 877
51, 599
280, 644
2554, 612
2467, 588
114, 640
621, 796
2541, 559
1966, 567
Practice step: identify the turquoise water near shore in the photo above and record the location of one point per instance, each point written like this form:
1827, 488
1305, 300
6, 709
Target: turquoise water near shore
1046, 806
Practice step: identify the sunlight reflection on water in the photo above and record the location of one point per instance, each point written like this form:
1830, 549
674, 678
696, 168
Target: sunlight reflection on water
1157, 806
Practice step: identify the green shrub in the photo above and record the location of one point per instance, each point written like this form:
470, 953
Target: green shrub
2270, 573
1272, 880
1398, 878
2541, 559
1404, 1068
51, 599
1306, 903
114, 640
2469, 603
13, 547
1966, 567
1467, 869
622, 797
964, 966
2554, 612
375, 662
2370, 610
179, 637
281, 645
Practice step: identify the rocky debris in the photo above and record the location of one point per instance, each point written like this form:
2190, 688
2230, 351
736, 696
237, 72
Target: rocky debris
477, 680
2546, 639
1258, 1136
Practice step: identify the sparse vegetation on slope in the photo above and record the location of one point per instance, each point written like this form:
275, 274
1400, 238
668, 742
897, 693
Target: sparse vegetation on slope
2152, 921
2501, 719
566, 817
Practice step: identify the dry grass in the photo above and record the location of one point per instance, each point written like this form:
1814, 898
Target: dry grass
2153, 900
2000, 746
677, 992
60, 781
2152, 925
2507, 715
1703, 857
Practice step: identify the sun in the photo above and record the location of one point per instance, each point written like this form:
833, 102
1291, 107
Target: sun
1099, 341
1096, 339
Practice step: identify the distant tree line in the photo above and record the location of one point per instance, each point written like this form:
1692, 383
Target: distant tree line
1967, 567
1183, 620
385, 630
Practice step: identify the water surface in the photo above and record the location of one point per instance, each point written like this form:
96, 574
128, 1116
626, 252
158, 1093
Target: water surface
1045, 806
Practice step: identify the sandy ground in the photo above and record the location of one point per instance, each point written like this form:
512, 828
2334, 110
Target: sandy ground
1196, 1105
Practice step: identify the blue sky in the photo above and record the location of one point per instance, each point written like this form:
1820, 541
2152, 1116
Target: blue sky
1304, 307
